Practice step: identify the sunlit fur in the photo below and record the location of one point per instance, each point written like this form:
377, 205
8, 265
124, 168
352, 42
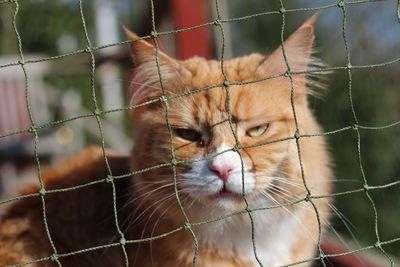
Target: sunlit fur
185, 194
271, 173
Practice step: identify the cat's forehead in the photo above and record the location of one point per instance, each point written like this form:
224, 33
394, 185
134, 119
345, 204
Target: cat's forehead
245, 103
207, 72
246, 99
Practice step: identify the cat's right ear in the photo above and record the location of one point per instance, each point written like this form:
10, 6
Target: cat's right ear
143, 52
145, 82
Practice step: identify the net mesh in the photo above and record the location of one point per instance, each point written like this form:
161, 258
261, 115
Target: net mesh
97, 113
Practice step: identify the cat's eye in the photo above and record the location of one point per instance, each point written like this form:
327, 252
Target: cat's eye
188, 134
258, 130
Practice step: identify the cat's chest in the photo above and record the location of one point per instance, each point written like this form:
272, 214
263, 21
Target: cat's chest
271, 245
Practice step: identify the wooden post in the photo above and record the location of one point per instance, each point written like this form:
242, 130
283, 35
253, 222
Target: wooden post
195, 42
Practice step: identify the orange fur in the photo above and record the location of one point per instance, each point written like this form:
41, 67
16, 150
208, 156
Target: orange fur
147, 202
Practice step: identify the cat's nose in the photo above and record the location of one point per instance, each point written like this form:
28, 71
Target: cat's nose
222, 171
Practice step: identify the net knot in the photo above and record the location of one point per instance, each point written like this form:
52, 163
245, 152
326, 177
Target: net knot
349, 66
96, 112
378, 244
354, 126
20, 62
282, 10
174, 162
109, 178
248, 210
122, 241
341, 4
366, 187
308, 198
54, 257
42, 191
288, 73
88, 49
187, 226
297, 134
236, 148
163, 99
217, 22
154, 34
32, 129
321, 256
226, 83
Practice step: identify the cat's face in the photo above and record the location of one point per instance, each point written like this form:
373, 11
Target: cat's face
221, 158
218, 173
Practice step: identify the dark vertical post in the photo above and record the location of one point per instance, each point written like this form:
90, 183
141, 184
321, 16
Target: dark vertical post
195, 42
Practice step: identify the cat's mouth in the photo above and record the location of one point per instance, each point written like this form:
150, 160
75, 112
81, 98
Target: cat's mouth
225, 193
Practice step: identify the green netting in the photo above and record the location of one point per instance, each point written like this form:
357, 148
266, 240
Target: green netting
164, 99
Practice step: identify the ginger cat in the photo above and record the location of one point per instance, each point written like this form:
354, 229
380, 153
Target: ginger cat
210, 182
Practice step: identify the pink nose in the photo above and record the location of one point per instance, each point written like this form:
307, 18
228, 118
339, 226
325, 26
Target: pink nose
222, 171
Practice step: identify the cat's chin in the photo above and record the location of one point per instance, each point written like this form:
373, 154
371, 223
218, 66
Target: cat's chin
225, 201
229, 203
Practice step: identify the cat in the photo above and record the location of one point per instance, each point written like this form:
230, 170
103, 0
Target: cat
217, 180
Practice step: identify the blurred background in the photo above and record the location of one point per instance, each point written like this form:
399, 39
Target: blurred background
61, 88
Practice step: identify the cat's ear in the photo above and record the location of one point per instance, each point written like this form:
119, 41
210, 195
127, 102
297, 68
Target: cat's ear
145, 82
298, 49
143, 52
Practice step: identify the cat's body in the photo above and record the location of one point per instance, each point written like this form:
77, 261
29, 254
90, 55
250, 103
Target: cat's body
209, 175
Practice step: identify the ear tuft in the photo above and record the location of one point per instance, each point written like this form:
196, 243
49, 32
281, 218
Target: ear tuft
131, 35
145, 83
141, 51
298, 48
310, 22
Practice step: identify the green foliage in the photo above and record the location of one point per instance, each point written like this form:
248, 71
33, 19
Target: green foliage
373, 99
41, 23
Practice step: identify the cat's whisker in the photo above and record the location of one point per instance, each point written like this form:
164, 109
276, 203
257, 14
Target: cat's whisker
150, 206
301, 205
284, 181
286, 178
284, 190
160, 217
153, 182
137, 190
275, 201
323, 220
143, 197
297, 219
143, 84
346, 223
129, 201
154, 228
278, 178
191, 204
125, 224
289, 198
141, 185
154, 190
144, 227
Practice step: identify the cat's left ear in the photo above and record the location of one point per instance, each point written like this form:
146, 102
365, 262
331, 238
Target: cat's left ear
298, 49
